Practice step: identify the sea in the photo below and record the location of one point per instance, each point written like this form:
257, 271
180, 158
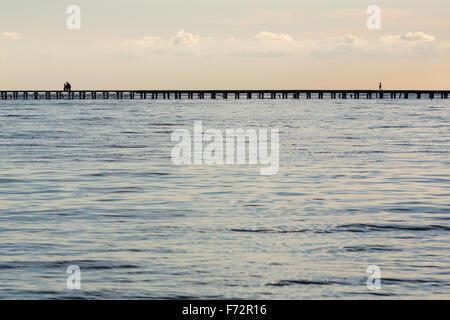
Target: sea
359, 208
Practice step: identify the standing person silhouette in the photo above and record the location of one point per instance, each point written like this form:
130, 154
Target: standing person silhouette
380, 86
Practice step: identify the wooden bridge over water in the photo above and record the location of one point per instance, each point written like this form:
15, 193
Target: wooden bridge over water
221, 94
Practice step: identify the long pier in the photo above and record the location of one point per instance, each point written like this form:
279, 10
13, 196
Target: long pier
221, 94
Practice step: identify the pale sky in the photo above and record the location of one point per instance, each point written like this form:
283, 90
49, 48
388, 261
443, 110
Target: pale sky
245, 44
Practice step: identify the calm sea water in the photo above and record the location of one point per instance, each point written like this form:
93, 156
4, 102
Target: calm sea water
92, 184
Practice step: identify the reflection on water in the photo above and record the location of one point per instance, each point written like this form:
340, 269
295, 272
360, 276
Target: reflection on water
92, 184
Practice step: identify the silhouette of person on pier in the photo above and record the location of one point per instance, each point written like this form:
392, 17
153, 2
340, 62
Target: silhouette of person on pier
67, 87
380, 86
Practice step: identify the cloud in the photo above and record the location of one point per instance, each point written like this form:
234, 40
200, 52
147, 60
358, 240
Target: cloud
12, 35
169, 45
409, 38
149, 41
412, 44
269, 37
418, 37
184, 38
409, 44
231, 40
275, 45
344, 44
259, 54
349, 40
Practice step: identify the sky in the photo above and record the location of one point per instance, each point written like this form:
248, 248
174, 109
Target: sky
218, 44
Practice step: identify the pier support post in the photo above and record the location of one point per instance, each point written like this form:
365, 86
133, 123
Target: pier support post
225, 95
405, 95
249, 95
213, 95
308, 95
431, 94
419, 95
320, 95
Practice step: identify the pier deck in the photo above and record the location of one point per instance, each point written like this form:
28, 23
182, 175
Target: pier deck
221, 94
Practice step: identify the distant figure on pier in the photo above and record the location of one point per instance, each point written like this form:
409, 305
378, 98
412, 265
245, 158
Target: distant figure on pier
67, 87
380, 86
